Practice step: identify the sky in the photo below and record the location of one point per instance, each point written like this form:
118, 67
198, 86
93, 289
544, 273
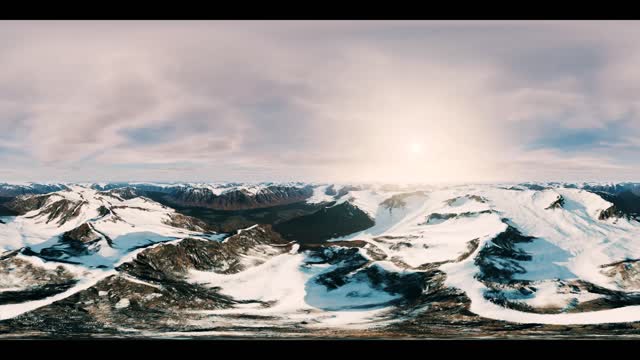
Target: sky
376, 101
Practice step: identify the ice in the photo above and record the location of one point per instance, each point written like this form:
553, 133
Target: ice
285, 282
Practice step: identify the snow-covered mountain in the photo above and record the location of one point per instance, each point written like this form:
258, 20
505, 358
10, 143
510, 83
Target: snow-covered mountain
321, 259
221, 196
15, 189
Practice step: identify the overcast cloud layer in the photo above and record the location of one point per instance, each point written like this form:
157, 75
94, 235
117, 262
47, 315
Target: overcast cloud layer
319, 101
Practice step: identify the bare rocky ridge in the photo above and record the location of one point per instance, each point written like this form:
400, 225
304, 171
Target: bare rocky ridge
626, 273
557, 204
59, 209
173, 261
83, 233
437, 218
611, 212
624, 197
150, 292
399, 200
187, 222
81, 241
22, 280
125, 193
477, 198
24, 204
118, 303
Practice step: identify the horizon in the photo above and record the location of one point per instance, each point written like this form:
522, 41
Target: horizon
319, 101
318, 183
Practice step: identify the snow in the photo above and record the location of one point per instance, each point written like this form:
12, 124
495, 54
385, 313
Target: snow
460, 275
9, 311
139, 222
240, 231
22, 280
570, 243
548, 295
278, 279
428, 243
319, 195
287, 281
574, 234
368, 201
123, 303
547, 261
294, 248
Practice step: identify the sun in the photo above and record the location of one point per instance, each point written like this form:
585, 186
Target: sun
415, 148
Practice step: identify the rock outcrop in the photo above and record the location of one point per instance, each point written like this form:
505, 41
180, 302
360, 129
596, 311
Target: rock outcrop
172, 261
557, 204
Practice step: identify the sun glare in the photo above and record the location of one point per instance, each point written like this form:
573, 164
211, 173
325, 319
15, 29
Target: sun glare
415, 148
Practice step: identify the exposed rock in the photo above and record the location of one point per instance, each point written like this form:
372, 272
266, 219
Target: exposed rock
22, 280
348, 244
186, 222
611, 212
472, 246
81, 241
83, 233
400, 245
118, 302
330, 222
104, 211
173, 261
437, 218
399, 200
232, 199
626, 202
374, 252
557, 204
477, 198
61, 210
24, 204
349, 266
626, 273
125, 193
499, 259
229, 221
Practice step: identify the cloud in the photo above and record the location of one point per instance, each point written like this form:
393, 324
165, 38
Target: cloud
318, 100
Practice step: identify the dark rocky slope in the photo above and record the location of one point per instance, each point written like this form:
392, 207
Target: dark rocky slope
33, 282
329, 222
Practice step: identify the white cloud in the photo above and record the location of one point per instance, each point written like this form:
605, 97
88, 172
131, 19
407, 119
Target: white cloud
330, 101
